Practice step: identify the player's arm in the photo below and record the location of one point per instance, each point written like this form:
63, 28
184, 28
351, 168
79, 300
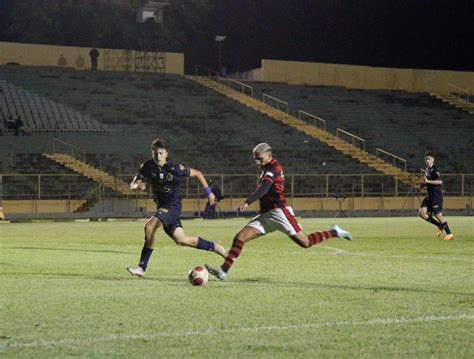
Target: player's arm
138, 183
259, 193
207, 191
436, 181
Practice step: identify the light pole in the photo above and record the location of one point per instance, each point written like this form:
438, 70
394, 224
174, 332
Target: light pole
220, 39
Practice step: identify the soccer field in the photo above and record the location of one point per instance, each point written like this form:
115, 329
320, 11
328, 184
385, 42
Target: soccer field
396, 290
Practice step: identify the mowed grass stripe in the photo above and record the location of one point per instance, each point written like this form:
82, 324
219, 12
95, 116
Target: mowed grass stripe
210, 331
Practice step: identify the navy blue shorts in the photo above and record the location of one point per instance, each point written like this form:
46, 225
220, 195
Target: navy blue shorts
169, 217
433, 205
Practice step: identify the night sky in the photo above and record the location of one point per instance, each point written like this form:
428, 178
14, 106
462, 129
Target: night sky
404, 34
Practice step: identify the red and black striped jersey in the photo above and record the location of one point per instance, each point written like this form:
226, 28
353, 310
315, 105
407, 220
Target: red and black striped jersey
275, 197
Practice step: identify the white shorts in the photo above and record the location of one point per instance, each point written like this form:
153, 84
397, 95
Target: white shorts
278, 219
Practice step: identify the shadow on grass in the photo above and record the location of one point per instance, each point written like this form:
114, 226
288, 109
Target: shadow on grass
72, 250
112, 278
256, 281
267, 281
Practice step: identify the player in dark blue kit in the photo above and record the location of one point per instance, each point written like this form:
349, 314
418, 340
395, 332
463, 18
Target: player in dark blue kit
433, 202
165, 178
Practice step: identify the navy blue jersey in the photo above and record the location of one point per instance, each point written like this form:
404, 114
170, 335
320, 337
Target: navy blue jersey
164, 181
434, 190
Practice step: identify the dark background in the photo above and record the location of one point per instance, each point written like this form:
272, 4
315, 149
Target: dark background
389, 33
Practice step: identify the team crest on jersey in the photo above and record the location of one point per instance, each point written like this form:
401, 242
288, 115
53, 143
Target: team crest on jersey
169, 177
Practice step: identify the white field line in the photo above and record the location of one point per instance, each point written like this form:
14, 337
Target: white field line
317, 250
235, 330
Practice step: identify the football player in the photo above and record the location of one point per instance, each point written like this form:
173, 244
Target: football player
275, 213
433, 202
165, 178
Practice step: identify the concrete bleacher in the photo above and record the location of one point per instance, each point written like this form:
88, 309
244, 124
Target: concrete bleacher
40, 113
400, 122
207, 130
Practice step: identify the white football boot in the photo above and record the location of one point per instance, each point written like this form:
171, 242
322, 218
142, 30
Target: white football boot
136, 271
342, 233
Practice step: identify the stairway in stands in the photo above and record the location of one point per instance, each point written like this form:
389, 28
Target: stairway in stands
456, 101
317, 133
102, 177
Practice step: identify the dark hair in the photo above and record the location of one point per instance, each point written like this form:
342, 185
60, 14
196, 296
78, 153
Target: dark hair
159, 143
429, 153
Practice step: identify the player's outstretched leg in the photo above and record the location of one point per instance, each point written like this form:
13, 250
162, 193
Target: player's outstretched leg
307, 241
198, 242
246, 234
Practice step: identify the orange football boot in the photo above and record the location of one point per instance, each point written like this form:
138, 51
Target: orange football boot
449, 237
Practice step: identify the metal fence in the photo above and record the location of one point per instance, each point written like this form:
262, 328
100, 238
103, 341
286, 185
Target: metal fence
72, 186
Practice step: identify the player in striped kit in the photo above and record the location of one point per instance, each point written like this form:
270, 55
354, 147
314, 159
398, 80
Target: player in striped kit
275, 213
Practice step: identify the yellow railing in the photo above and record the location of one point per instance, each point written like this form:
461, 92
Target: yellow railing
42, 186
316, 119
242, 87
279, 102
59, 146
353, 137
210, 72
458, 92
393, 157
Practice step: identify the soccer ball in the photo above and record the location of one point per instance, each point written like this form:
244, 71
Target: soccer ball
198, 276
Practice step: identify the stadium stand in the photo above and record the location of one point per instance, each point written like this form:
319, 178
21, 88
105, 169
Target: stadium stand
138, 108
383, 117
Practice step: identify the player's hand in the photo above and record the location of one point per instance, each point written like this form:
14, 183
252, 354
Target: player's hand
427, 180
242, 206
138, 185
211, 198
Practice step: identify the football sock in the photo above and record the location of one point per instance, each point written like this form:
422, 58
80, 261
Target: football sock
433, 221
145, 257
234, 252
205, 245
317, 237
446, 227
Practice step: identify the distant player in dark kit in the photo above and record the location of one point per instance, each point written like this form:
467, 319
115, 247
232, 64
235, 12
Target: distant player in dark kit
275, 213
165, 178
433, 202
210, 210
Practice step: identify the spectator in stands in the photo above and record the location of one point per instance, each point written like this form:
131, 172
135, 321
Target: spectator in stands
94, 54
210, 210
18, 126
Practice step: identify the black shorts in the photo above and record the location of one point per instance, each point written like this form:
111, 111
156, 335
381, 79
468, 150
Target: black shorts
169, 217
433, 205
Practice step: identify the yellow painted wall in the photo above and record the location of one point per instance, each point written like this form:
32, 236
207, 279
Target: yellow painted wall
364, 77
230, 204
75, 57
40, 206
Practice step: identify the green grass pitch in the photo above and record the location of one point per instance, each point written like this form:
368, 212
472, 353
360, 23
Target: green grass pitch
396, 290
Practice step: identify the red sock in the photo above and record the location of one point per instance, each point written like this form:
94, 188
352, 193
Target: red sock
318, 237
234, 252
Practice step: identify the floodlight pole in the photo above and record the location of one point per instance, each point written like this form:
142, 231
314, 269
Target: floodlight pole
220, 39
220, 56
